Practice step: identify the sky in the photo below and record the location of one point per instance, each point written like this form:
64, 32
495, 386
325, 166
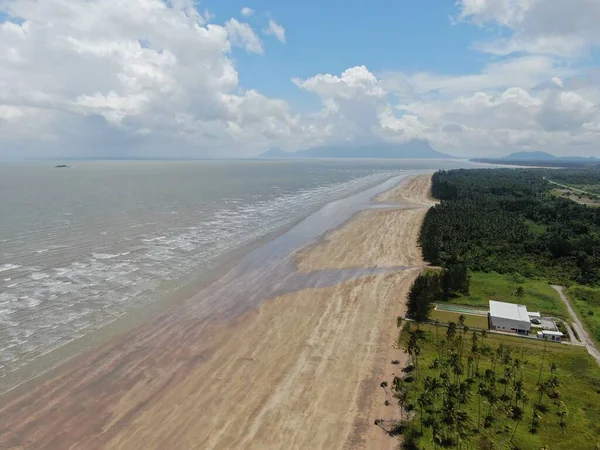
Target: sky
182, 78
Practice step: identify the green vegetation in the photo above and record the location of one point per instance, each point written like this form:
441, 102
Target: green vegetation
587, 302
473, 390
468, 390
434, 285
537, 295
471, 320
585, 180
507, 221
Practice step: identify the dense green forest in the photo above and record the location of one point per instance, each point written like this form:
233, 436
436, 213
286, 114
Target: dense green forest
507, 221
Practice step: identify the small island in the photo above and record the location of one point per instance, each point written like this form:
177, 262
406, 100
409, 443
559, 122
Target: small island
61, 166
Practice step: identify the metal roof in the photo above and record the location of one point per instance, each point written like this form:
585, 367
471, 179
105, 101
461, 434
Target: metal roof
509, 311
550, 333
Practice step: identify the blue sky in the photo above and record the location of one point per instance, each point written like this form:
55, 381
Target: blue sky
331, 36
187, 78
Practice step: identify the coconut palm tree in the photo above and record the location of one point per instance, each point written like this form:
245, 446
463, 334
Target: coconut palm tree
562, 412
423, 401
520, 292
399, 321
543, 356
480, 392
413, 348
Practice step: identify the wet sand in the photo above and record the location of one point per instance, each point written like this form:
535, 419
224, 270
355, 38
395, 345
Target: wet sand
301, 370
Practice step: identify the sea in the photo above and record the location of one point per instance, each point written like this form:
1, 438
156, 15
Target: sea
98, 242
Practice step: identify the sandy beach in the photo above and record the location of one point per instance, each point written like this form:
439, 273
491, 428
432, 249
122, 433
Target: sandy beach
300, 371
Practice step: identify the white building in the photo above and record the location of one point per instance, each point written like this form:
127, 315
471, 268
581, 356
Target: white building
550, 335
509, 317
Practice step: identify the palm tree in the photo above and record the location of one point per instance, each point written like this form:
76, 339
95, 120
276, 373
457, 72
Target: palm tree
451, 332
562, 412
480, 391
543, 356
470, 361
399, 321
413, 348
423, 401
507, 379
456, 366
520, 292
437, 325
403, 400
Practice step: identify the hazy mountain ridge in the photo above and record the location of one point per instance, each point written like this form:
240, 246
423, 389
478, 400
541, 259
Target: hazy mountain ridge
540, 158
416, 148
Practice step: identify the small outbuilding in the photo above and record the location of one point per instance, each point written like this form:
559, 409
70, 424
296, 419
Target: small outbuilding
509, 317
550, 335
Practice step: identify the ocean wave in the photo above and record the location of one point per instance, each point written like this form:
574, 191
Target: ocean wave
109, 255
39, 275
5, 267
83, 293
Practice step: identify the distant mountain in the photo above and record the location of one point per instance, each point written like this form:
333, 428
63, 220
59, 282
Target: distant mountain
541, 159
416, 148
274, 153
530, 156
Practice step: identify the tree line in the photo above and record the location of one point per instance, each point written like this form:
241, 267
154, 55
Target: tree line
508, 221
433, 286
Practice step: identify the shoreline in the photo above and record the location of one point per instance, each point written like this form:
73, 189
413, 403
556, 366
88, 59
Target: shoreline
150, 373
188, 287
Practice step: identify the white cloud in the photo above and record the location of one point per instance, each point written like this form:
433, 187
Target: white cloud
247, 12
242, 35
82, 75
562, 27
276, 30
526, 72
149, 77
507, 106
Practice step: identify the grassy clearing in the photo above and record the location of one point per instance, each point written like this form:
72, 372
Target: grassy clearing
538, 295
579, 389
578, 197
472, 321
587, 302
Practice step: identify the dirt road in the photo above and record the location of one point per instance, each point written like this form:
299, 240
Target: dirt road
578, 326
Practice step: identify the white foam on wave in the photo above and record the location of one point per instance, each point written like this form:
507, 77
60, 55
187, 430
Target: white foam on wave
5, 267
105, 255
39, 275
44, 250
158, 238
86, 293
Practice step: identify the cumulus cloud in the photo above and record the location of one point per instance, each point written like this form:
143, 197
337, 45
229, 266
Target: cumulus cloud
461, 115
70, 71
241, 34
276, 30
247, 12
562, 27
147, 77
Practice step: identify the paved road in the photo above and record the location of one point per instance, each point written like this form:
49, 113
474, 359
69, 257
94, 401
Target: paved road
578, 326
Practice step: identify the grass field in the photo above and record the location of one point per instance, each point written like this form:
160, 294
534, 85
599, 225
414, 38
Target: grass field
579, 389
578, 197
587, 303
538, 295
472, 321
